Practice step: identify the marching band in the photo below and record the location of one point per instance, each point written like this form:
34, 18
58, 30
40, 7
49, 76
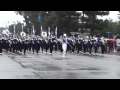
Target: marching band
63, 44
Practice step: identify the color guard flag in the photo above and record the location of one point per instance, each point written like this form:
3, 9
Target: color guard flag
56, 32
39, 17
41, 29
7, 26
48, 32
33, 31
14, 30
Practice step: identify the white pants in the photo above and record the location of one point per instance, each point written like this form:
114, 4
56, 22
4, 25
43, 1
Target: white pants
64, 47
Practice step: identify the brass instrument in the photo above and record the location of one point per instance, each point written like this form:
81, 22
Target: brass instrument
23, 34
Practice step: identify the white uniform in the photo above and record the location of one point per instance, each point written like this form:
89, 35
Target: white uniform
64, 46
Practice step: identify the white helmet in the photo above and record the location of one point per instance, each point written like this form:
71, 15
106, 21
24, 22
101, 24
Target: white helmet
65, 35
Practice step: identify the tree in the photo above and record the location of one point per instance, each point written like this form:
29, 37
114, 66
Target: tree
91, 21
109, 26
33, 18
66, 21
18, 28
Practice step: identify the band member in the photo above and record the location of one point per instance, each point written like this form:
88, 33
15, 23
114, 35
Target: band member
69, 47
29, 44
25, 45
55, 43
39, 39
14, 45
7, 44
50, 43
10, 44
46, 44
96, 47
42, 44
60, 45
37, 43
90, 46
3, 40
84, 46
33, 45
73, 45
64, 44
20, 44
79, 45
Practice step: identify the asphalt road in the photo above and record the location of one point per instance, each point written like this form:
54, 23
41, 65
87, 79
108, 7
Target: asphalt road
42, 66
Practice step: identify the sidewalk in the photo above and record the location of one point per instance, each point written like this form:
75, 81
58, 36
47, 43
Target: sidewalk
9, 69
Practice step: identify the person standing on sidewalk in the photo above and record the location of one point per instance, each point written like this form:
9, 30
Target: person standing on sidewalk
1, 45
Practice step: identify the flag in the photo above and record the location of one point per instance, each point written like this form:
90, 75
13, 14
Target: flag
14, 30
49, 32
7, 26
41, 29
39, 17
33, 31
56, 32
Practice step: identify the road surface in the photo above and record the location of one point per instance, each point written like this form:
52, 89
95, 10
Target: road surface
42, 66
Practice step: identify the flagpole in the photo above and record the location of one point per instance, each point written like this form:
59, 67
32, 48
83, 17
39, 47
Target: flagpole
33, 31
48, 32
14, 29
8, 28
8, 25
41, 30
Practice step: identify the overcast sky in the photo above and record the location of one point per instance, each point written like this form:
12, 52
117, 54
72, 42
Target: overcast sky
11, 16
113, 15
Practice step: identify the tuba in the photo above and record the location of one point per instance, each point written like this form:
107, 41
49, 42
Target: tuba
44, 34
23, 34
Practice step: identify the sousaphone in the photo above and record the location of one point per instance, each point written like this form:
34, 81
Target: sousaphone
23, 34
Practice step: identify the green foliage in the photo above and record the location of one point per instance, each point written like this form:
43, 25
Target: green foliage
18, 28
91, 21
66, 21
69, 21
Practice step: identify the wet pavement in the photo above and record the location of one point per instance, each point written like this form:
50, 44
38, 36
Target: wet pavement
42, 66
